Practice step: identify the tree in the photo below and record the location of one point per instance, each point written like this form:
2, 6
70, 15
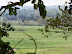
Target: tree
13, 9
58, 22
7, 27
63, 22
4, 46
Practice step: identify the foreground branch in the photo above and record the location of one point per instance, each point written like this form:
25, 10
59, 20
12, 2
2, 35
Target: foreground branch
3, 12
33, 41
11, 5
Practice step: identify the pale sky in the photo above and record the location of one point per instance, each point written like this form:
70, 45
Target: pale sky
46, 2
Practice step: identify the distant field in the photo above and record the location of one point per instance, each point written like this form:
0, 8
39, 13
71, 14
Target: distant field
54, 44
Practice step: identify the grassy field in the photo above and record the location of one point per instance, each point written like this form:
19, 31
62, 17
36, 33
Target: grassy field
54, 44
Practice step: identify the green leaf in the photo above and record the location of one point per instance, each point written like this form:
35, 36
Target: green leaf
14, 12
43, 13
7, 7
41, 6
66, 2
10, 13
22, 1
21, 4
11, 9
35, 6
42, 10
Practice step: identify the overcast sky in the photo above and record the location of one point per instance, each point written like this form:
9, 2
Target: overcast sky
46, 2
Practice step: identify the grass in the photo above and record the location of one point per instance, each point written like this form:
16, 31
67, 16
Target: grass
54, 44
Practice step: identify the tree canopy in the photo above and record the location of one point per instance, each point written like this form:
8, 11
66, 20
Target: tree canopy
63, 21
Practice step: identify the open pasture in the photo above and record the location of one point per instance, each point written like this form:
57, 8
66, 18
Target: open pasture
54, 44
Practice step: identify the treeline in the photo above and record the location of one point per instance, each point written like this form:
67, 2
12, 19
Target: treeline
39, 22
27, 17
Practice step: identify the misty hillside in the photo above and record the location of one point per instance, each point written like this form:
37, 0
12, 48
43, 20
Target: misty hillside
27, 13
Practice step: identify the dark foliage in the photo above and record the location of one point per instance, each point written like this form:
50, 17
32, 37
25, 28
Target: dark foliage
63, 22
5, 48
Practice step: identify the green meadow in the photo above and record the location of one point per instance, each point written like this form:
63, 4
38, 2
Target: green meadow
54, 44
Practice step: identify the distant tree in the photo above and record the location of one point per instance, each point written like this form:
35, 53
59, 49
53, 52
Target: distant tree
26, 22
52, 12
43, 21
